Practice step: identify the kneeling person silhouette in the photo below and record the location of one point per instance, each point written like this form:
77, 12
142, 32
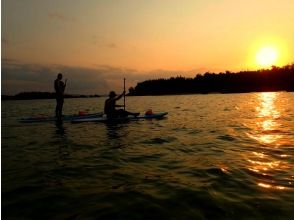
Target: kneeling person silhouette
110, 107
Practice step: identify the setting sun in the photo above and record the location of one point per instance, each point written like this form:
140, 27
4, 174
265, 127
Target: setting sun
267, 56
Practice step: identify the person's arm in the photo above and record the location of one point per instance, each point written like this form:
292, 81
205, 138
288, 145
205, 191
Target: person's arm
119, 97
62, 86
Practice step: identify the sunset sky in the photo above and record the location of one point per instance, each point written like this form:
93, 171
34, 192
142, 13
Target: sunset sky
96, 43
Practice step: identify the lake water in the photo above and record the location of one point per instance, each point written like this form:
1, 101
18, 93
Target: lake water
215, 156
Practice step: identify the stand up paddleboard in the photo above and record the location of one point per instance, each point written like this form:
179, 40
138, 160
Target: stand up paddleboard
120, 119
43, 118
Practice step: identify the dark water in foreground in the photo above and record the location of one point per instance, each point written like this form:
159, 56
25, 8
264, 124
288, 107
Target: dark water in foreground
214, 157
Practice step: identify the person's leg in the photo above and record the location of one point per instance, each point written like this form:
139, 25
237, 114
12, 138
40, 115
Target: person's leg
135, 114
56, 108
59, 106
121, 113
124, 113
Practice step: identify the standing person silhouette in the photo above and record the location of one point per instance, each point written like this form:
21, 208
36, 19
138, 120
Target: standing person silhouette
59, 87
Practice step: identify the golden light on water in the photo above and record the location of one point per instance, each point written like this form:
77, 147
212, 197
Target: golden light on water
267, 113
267, 107
268, 186
265, 165
264, 185
266, 131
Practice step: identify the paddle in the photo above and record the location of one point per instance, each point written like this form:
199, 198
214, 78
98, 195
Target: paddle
124, 93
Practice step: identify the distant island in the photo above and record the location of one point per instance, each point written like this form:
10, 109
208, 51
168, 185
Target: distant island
41, 95
265, 80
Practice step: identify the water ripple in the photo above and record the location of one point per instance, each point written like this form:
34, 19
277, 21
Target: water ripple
215, 156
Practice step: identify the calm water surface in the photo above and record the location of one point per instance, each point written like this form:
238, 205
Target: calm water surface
213, 157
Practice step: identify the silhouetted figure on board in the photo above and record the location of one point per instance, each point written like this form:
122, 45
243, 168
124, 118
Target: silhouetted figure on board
59, 87
110, 107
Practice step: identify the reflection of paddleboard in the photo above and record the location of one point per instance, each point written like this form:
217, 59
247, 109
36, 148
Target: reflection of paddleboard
120, 119
43, 118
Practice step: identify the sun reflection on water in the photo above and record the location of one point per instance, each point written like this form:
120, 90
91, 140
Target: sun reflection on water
268, 107
267, 126
266, 131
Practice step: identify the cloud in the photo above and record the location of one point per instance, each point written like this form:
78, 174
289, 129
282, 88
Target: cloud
112, 45
101, 41
60, 17
22, 77
4, 41
94, 39
8, 61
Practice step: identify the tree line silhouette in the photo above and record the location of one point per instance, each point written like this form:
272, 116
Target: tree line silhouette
274, 79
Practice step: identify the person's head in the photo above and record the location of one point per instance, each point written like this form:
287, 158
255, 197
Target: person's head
112, 94
59, 76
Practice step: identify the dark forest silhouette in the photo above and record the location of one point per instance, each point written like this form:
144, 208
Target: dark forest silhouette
274, 79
